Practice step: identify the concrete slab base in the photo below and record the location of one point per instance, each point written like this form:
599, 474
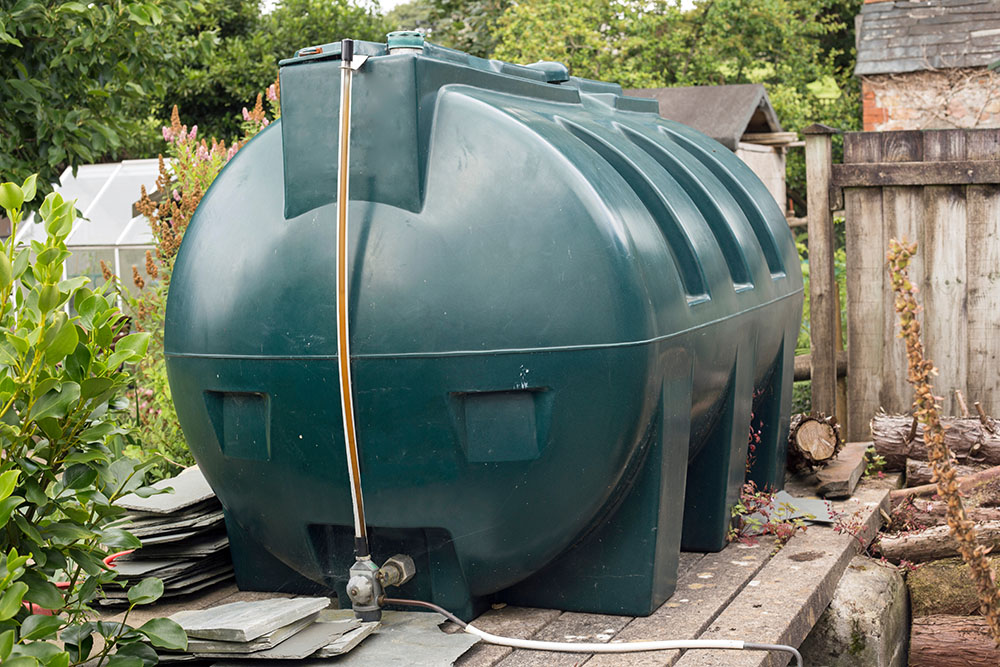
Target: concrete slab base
867, 623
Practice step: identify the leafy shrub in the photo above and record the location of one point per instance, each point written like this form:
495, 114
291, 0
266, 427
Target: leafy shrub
183, 180
63, 348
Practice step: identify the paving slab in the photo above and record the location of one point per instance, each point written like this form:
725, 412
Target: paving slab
245, 621
701, 595
190, 487
784, 600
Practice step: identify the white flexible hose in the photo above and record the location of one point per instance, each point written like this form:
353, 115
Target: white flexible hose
625, 647
631, 647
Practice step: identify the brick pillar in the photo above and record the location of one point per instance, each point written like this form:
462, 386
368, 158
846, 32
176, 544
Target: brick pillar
872, 115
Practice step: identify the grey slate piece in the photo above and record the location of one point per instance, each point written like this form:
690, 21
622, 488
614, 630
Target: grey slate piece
198, 546
405, 639
300, 645
347, 641
938, 34
180, 526
190, 487
246, 621
266, 641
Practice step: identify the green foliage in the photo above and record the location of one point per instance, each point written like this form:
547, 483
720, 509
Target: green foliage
249, 45
756, 513
63, 349
414, 15
75, 78
472, 25
874, 462
800, 50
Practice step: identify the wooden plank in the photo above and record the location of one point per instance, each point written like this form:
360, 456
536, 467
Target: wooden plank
902, 210
839, 478
521, 622
702, 593
965, 172
789, 593
570, 627
822, 285
983, 252
865, 280
944, 318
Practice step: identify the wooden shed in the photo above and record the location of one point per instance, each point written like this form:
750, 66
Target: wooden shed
740, 117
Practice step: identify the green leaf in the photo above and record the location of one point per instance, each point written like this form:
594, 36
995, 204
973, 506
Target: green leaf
62, 343
139, 650
52, 201
8, 481
164, 633
48, 297
40, 627
94, 387
78, 476
41, 591
21, 661
61, 659
56, 404
26, 89
7, 506
6, 644
29, 187
135, 343
119, 539
146, 591
11, 196
10, 603
124, 660
65, 531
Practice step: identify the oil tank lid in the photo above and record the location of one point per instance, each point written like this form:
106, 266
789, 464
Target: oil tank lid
554, 72
404, 39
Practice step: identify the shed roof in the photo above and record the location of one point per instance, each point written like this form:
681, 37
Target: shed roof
724, 113
894, 37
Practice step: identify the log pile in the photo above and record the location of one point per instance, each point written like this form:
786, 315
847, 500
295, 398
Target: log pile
947, 626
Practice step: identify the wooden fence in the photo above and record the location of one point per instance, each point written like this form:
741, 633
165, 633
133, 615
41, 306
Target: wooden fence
940, 188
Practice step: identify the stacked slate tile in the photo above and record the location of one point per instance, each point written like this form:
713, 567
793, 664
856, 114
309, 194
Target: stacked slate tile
273, 629
183, 536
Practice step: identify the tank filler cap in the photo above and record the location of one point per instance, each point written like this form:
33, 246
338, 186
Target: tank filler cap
405, 41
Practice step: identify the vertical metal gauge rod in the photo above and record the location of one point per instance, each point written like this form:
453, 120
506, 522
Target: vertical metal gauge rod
343, 327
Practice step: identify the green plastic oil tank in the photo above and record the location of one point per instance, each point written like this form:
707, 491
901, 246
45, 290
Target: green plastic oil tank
564, 312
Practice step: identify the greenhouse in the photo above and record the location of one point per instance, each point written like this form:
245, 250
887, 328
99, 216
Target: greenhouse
106, 229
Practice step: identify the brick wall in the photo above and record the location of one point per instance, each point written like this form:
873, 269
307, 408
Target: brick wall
939, 99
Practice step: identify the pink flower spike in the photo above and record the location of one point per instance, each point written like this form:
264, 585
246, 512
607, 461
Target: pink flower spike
168, 135
246, 114
202, 152
271, 94
232, 152
265, 122
193, 133
176, 195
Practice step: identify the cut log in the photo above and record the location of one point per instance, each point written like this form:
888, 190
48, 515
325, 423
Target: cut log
813, 440
920, 513
981, 489
952, 641
971, 440
933, 543
944, 587
919, 472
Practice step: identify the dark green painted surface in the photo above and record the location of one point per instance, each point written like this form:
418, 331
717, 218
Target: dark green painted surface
558, 300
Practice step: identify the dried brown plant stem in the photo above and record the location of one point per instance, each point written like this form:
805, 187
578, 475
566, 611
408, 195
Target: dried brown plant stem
927, 411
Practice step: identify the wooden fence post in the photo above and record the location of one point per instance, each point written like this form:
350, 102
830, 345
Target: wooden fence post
823, 313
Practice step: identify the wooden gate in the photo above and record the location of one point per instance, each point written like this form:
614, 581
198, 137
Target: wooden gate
940, 188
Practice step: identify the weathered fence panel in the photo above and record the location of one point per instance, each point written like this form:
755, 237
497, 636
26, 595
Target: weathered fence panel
940, 188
